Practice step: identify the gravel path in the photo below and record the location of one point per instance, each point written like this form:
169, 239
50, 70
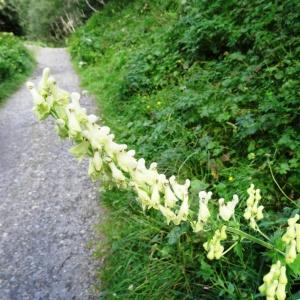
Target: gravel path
47, 203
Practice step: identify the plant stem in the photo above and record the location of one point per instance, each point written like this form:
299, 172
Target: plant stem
279, 187
227, 250
264, 235
254, 239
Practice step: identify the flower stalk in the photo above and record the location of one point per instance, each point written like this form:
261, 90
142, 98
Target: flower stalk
114, 163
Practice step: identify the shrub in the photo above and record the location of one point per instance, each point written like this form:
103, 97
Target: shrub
15, 63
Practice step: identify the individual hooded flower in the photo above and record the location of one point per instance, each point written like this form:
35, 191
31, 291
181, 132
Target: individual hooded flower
73, 124
59, 96
203, 213
74, 107
275, 282
61, 128
41, 107
44, 85
141, 175
117, 174
92, 119
112, 148
143, 197
37, 97
226, 211
126, 160
170, 198
168, 214
298, 237
213, 247
155, 196
152, 174
180, 190
161, 182
183, 211
96, 135
292, 239
92, 172
253, 211
97, 161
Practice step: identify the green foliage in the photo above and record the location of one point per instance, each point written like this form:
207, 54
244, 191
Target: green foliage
146, 259
210, 91
16, 63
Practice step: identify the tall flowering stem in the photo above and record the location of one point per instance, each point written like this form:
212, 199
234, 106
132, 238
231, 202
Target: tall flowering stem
113, 162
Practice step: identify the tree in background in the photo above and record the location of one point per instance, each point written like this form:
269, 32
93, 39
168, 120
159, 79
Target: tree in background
9, 18
45, 19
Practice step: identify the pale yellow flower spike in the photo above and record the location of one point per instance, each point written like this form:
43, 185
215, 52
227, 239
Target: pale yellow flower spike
291, 238
275, 283
253, 211
112, 161
213, 247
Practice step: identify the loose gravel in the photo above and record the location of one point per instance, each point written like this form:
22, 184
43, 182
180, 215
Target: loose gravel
48, 205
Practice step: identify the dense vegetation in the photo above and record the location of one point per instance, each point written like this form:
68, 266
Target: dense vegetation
209, 90
16, 63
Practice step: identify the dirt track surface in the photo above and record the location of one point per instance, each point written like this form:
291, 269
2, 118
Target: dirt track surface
47, 203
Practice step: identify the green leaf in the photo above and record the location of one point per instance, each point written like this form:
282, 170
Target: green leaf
206, 271
283, 168
198, 185
174, 235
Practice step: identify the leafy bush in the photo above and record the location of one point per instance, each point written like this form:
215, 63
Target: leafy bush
208, 89
15, 63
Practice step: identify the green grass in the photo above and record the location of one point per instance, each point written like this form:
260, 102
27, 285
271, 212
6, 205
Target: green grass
16, 64
211, 92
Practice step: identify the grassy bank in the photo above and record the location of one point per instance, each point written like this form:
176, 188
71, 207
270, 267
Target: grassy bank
210, 91
16, 64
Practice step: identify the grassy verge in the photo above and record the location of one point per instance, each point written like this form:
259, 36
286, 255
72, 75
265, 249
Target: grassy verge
16, 64
210, 92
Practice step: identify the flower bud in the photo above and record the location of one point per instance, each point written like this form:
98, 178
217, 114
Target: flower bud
271, 289
170, 198
247, 214
116, 173
155, 197
211, 253
97, 161
280, 292
268, 278
291, 253
167, 213
262, 288
282, 276
259, 214
183, 211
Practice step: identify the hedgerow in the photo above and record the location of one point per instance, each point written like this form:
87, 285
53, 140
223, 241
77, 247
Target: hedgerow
210, 91
16, 63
